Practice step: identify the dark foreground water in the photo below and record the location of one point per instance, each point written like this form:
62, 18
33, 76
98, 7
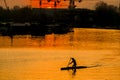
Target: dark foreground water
41, 57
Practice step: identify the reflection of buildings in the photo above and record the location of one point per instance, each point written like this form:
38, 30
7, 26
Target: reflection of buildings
47, 41
80, 39
56, 40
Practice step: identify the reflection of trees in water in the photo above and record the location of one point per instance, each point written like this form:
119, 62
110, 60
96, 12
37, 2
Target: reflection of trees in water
49, 40
11, 37
81, 40
34, 29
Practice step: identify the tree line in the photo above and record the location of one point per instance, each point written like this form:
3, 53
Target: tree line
104, 15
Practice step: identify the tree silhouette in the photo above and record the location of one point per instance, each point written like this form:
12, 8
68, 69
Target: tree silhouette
106, 15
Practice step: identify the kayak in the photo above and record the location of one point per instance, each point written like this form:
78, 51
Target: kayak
77, 67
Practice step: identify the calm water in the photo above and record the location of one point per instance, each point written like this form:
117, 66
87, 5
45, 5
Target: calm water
41, 57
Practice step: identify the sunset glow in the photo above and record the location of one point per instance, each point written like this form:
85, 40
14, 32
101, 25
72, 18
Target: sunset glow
90, 4
46, 4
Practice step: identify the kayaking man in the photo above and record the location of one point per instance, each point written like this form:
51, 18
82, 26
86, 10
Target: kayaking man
73, 62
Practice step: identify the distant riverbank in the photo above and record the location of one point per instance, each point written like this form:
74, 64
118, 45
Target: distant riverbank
82, 18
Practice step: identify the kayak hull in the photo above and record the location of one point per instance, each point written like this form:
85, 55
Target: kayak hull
78, 67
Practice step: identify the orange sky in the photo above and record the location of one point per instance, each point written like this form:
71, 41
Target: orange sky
64, 4
46, 4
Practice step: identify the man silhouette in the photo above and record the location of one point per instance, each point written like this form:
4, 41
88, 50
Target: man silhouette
73, 62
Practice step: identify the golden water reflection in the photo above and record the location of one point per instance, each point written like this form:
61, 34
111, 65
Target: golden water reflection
36, 64
29, 57
79, 39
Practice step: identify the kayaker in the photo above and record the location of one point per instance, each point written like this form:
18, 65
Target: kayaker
73, 62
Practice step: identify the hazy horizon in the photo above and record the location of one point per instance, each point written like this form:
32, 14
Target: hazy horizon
90, 4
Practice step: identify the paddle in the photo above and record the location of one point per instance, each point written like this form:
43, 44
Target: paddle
68, 63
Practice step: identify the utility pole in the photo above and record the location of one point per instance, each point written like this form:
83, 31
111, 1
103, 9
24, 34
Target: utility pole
119, 5
6, 4
72, 4
40, 3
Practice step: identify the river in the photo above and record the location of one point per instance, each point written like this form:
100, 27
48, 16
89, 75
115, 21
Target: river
26, 57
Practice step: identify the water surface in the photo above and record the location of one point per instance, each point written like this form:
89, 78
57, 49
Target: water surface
41, 57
